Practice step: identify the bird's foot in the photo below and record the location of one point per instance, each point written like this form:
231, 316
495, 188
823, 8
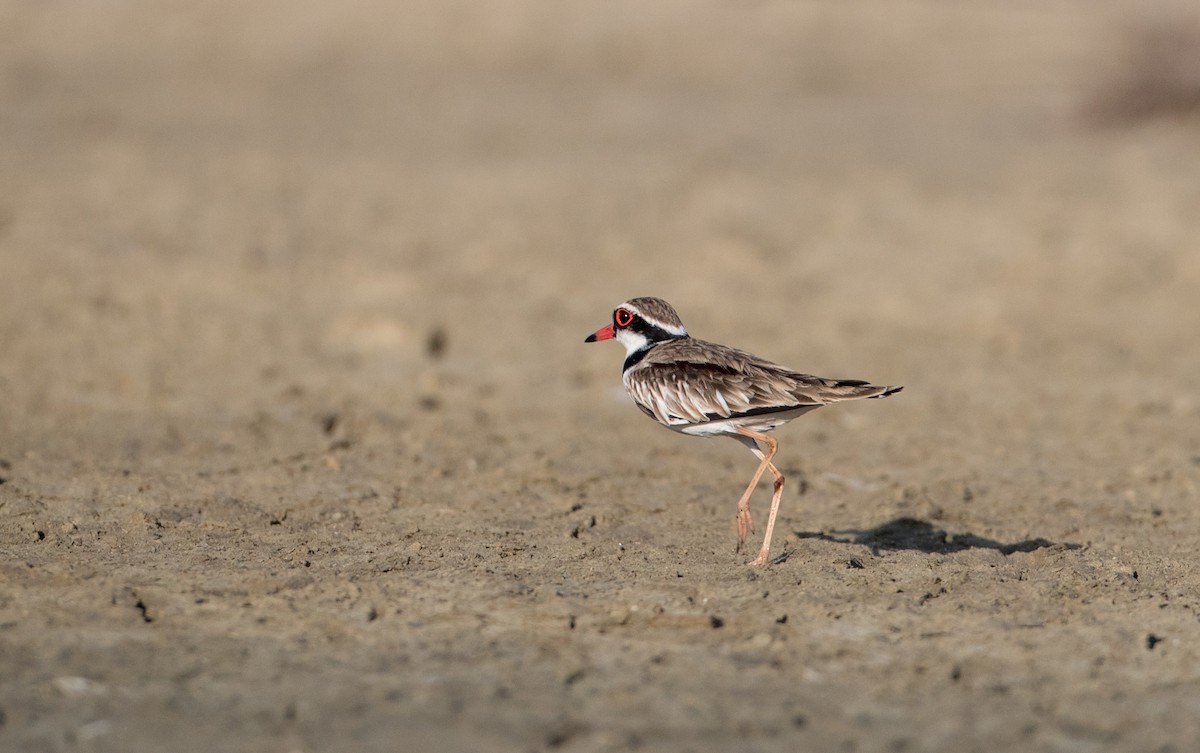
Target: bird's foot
745, 525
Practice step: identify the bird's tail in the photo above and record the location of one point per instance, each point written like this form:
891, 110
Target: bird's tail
818, 391
854, 389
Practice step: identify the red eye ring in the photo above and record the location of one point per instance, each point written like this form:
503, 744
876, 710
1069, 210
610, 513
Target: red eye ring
623, 317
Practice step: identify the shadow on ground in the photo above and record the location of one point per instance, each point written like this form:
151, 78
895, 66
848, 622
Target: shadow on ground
923, 536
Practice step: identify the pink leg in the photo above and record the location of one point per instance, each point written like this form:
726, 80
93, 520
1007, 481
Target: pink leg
772, 445
763, 553
745, 524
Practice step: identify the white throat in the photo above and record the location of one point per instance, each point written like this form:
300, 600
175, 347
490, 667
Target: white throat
632, 341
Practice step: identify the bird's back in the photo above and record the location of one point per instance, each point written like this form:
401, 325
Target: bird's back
690, 381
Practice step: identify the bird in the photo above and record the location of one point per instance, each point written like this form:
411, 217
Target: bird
706, 389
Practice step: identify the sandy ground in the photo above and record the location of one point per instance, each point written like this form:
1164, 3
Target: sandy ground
301, 448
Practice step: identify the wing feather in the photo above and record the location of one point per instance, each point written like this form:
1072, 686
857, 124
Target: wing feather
690, 381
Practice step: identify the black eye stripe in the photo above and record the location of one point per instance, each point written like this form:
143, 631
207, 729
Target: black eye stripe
651, 332
625, 319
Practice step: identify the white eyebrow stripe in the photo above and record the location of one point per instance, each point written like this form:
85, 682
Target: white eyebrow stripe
677, 331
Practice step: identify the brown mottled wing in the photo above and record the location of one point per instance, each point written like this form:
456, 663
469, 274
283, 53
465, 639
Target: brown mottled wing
692, 381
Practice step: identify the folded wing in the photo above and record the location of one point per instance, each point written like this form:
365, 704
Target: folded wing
693, 382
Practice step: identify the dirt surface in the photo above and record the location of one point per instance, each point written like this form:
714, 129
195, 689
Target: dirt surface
302, 450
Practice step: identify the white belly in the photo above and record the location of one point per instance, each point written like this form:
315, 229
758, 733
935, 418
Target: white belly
763, 422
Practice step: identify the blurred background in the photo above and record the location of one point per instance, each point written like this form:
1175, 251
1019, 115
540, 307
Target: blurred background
299, 434
206, 205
